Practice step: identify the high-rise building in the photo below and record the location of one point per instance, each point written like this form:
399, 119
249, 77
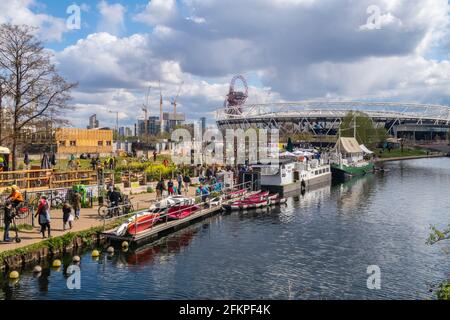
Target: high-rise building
125, 132
203, 124
93, 122
172, 120
153, 126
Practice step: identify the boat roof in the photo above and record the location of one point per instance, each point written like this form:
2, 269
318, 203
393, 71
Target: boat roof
365, 150
349, 145
279, 163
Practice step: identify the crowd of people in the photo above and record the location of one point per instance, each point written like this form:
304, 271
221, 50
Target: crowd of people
70, 212
210, 180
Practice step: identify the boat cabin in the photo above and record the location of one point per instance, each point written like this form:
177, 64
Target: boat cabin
280, 174
349, 150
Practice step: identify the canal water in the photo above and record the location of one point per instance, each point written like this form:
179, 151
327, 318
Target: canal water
318, 246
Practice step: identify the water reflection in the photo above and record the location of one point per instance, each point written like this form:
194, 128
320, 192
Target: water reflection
317, 246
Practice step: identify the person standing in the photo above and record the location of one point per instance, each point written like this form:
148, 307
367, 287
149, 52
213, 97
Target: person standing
180, 183
7, 219
26, 161
43, 212
154, 155
187, 182
67, 215
160, 187
170, 187
77, 204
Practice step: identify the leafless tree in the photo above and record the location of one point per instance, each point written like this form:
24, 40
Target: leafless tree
35, 88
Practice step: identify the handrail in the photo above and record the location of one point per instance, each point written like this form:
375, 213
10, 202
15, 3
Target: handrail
224, 192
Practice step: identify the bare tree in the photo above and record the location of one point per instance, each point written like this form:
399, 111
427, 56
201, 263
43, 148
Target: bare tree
32, 81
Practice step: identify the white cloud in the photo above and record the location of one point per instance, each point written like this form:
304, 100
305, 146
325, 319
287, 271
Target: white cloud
20, 12
297, 49
157, 12
112, 18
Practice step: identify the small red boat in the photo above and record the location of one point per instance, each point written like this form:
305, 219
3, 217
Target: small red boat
261, 194
142, 223
180, 212
235, 194
262, 199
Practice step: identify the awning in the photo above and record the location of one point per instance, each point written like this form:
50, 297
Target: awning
365, 150
287, 154
349, 145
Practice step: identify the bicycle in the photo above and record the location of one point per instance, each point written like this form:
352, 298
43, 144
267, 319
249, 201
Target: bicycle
56, 202
108, 210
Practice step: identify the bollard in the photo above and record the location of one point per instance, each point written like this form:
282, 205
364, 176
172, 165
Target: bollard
56, 263
37, 269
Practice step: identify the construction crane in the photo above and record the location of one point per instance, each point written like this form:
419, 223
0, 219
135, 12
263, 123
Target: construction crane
145, 109
161, 121
174, 101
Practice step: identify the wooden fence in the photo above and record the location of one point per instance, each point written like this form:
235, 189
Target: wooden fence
49, 178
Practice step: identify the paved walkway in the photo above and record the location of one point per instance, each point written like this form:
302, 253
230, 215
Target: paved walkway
88, 218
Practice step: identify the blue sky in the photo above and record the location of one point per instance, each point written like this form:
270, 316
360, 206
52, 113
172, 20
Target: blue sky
287, 50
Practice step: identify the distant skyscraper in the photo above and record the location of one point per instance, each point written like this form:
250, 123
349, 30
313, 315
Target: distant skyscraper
93, 122
153, 126
203, 124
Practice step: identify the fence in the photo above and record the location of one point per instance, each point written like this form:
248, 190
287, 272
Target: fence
200, 201
48, 178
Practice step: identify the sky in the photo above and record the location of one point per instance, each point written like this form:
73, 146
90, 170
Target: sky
288, 50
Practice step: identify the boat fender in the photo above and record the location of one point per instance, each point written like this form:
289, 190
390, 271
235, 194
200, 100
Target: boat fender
37, 269
56, 263
95, 253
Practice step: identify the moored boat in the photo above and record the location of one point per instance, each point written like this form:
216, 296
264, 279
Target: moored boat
143, 223
260, 200
349, 159
180, 212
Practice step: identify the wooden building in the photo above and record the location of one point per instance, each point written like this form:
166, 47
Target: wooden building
78, 141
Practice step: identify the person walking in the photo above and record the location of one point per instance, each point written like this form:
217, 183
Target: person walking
7, 219
43, 212
67, 215
77, 204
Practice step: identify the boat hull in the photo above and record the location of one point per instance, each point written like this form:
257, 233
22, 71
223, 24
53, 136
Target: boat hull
142, 223
340, 171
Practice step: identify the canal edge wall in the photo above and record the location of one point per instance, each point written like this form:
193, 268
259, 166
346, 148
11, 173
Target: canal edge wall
54, 247
410, 158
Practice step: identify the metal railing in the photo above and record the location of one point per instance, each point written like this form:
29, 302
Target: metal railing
202, 205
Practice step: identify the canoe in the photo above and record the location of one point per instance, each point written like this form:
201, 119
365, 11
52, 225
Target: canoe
180, 212
142, 223
235, 194
263, 200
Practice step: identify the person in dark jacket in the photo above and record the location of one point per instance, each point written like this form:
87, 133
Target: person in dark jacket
43, 212
170, 187
67, 215
160, 187
115, 197
7, 219
187, 182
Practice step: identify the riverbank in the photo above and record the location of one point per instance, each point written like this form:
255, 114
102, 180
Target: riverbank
86, 231
439, 155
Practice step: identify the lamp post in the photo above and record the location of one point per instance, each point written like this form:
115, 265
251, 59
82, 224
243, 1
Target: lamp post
117, 127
